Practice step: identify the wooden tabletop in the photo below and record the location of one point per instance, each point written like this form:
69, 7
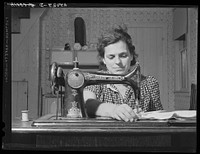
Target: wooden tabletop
49, 124
99, 134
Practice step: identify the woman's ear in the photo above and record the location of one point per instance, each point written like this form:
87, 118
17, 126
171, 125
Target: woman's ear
131, 57
103, 60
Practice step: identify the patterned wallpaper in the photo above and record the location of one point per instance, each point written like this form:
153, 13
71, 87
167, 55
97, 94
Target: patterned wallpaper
58, 29
61, 21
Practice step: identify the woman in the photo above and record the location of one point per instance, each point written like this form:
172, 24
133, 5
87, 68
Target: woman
117, 56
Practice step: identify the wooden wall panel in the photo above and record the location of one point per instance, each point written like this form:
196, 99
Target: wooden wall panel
19, 98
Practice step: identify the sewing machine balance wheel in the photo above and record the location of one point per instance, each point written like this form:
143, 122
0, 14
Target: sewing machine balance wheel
53, 76
76, 79
54, 69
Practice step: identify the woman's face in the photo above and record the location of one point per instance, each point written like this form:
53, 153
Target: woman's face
117, 58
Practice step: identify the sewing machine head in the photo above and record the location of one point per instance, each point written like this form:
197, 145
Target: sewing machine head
76, 80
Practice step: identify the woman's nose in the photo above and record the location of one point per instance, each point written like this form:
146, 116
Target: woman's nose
117, 60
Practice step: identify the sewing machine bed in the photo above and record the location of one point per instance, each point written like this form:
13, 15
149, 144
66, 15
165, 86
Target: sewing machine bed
50, 120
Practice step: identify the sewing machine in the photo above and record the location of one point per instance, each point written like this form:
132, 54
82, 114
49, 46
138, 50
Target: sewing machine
76, 80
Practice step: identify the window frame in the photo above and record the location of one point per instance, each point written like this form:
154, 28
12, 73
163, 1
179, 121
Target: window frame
182, 68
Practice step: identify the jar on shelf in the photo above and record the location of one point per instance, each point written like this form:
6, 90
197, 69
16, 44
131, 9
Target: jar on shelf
77, 46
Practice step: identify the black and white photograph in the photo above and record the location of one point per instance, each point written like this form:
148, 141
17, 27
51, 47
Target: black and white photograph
100, 77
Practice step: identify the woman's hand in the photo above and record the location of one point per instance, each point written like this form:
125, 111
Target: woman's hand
124, 112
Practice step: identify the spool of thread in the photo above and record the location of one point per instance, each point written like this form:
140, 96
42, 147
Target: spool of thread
25, 115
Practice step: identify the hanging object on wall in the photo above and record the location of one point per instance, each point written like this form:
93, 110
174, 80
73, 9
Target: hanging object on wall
80, 31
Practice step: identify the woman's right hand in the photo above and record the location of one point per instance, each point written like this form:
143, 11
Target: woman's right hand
123, 112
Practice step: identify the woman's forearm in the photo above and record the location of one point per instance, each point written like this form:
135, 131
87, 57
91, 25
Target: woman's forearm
95, 108
105, 109
120, 112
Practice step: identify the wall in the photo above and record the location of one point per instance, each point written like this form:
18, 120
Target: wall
26, 26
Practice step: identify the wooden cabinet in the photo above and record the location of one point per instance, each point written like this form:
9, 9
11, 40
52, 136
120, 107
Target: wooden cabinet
49, 105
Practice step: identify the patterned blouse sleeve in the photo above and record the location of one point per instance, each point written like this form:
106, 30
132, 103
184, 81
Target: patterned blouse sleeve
94, 88
153, 87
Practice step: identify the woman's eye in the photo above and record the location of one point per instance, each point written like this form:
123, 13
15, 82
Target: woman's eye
110, 57
124, 55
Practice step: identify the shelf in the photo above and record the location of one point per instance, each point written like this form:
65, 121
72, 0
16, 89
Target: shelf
83, 66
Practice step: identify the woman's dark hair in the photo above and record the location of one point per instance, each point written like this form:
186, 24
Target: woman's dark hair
112, 36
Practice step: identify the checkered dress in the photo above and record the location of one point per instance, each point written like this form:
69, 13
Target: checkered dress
150, 94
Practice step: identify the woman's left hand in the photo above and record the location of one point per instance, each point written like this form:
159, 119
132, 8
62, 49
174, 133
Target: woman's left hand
124, 112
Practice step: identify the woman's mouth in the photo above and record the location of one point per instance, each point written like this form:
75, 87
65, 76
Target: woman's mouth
119, 69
